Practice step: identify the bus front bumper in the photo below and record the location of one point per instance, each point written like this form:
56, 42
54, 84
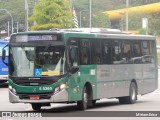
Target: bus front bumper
61, 96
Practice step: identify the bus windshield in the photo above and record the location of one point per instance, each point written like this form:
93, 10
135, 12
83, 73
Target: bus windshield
37, 61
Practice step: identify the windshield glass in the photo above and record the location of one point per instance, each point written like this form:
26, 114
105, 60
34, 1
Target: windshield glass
37, 61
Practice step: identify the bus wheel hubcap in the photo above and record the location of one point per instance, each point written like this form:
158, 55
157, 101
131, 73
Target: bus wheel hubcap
133, 93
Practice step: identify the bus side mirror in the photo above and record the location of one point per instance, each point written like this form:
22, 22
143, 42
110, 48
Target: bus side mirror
3, 54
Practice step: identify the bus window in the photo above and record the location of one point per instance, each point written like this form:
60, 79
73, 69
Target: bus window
152, 51
126, 52
117, 52
96, 51
136, 53
106, 52
147, 52
84, 52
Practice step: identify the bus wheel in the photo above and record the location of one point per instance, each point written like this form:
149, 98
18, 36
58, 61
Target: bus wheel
131, 99
93, 103
82, 105
36, 106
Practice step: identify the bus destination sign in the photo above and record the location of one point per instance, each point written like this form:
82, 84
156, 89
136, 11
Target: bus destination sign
29, 38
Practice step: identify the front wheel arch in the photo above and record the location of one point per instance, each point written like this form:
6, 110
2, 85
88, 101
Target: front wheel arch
89, 93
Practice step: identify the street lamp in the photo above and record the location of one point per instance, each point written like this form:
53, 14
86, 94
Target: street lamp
11, 19
80, 17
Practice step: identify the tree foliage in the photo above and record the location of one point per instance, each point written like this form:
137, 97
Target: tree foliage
101, 20
98, 18
135, 23
17, 10
154, 24
51, 14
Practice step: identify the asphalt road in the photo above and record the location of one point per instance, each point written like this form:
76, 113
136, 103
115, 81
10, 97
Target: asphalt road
149, 102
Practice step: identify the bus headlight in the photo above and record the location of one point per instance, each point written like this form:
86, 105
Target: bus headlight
59, 88
10, 87
62, 86
12, 90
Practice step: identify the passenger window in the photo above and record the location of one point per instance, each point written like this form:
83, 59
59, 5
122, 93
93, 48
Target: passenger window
126, 52
84, 52
136, 53
96, 51
152, 51
116, 54
107, 52
147, 52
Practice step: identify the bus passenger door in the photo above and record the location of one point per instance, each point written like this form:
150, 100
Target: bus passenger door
73, 59
73, 74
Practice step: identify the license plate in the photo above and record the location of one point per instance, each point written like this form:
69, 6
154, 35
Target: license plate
34, 97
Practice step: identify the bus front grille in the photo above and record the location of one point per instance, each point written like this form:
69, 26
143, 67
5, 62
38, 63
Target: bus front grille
33, 82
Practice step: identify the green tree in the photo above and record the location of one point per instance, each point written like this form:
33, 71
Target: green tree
101, 20
154, 24
135, 23
16, 10
51, 14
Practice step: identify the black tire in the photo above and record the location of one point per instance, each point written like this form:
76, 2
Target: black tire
93, 103
82, 105
36, 106
131, 99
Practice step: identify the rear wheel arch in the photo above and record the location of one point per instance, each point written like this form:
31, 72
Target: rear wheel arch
131, 99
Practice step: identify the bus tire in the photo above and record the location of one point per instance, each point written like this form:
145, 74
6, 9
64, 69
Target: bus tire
131, 99
83, 104
36, 106
93, 103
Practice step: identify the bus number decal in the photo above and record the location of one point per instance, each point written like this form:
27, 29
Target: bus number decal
45, 88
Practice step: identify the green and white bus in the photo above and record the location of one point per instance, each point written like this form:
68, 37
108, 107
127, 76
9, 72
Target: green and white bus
75, 66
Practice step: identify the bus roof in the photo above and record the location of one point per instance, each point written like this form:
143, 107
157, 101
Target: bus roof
97, 32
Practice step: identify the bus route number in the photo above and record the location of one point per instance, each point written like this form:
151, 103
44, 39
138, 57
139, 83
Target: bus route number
45, 88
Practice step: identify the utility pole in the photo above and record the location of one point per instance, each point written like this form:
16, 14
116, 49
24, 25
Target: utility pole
90, 16
26, 15
17, 26
71, 6
127, 5
8, 29
35, 2
80, 14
